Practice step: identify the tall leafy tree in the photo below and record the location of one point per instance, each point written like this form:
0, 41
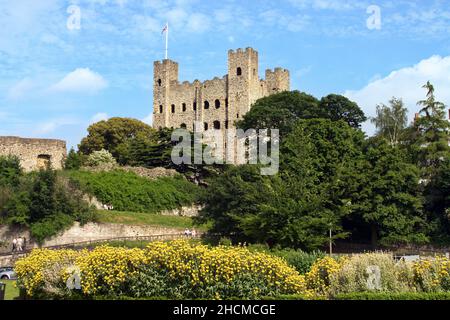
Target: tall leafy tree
116, 135
337, 107
298, 206
281, 111
10, 171
73, 160
43, 196
433, 133
391, 120
386, 196
437, 194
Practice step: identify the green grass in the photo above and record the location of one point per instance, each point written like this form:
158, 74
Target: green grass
135, 218
11, 291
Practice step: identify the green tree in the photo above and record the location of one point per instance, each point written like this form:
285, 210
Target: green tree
10, 171
43, 199
73, 160
386, 196
337, 107
298, 206
391, 120
115, 135
280, 111
433, 134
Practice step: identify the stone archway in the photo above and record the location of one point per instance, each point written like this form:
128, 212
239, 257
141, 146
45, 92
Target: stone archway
44, 161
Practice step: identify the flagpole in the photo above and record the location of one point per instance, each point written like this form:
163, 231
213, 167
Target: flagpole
167, 41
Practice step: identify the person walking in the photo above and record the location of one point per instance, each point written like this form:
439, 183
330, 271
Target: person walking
14, 245
19, 244
24, 243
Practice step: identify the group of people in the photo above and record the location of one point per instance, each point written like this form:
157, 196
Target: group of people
18, 244
108, 207
190, 233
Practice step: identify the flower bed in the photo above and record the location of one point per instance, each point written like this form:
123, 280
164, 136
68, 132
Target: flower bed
176, 270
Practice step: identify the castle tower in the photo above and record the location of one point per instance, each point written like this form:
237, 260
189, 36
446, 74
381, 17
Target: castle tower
165, 74
215, 105
277, 81
243, 81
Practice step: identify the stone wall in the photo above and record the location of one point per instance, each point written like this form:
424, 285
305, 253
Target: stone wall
214, 104
191, 211
35, 153
88, 232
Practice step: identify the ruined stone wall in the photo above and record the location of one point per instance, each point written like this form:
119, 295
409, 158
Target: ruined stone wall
35, 153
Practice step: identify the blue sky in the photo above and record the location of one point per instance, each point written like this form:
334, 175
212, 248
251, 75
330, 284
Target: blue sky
56, 80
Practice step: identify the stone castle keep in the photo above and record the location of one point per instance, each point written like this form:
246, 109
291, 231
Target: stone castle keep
35, 154
214, 104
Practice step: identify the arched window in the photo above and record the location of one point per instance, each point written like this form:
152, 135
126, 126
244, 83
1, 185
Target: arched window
173, 108
217, 103
183, 126
239, 71
160, 109
206, 105
159, 82
194, 106
205, 126
183, 106
216, 125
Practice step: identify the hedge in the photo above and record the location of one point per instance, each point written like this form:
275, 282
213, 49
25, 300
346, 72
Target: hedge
394, 296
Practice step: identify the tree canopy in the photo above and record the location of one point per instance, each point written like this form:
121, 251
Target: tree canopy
116, 135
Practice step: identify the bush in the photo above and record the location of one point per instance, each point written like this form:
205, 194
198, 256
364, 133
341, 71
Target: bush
50, 227
371, 272
176, 270
126, 191
300, 260
10, 171
45, 202
73, 161
393, 296
432, 275
320, 276
101, 158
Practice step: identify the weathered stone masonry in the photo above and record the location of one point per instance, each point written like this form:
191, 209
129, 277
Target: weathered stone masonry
35, 154
215, 104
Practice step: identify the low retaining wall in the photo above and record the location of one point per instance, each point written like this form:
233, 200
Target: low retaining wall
88, 232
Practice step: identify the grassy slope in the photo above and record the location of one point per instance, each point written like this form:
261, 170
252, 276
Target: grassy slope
128, 192
136, 218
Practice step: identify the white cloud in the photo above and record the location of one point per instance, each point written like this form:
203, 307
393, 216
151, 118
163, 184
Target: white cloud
99, 117
20, 89
198, 22
82, 80
335, 5
405, 83
51, 125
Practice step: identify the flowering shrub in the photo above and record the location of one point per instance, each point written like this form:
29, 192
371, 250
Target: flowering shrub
101, 158
376, 272
432, 275
175, 269
42, 271
319, 277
